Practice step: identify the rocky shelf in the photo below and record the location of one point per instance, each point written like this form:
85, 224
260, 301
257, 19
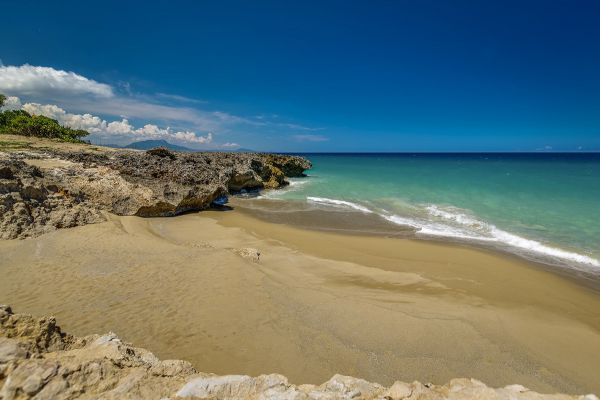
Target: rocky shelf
52, 187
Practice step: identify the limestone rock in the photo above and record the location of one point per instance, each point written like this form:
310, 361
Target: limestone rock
290, 166
399, 390
71, 188
39, 361
59, 366
31, 205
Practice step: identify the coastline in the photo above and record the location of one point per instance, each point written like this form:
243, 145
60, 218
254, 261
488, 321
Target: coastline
315, 304
351, 223
232, 293
430, 219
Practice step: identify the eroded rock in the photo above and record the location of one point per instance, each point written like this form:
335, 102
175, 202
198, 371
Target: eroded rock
41, 191
39, 361
162, 152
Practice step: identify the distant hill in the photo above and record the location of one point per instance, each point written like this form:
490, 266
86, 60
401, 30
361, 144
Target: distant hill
150, 144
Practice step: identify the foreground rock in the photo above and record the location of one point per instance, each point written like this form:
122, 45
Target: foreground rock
39, 361
46, 189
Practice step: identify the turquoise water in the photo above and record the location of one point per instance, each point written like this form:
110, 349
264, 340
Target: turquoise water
545, 206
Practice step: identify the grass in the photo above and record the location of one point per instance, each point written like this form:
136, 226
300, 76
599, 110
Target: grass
12, 145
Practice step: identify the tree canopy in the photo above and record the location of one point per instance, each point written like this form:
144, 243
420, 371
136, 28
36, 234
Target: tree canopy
20, 122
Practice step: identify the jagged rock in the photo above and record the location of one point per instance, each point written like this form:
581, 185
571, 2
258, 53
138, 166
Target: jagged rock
39, 335
237, 387
399, 390
39, 361
290, 166
161, 152
248, 180
11, 349
347, 387
59, 366
30, 205
6, 173
79, 186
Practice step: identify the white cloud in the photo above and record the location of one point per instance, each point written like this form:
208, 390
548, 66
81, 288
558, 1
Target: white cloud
86, 122
80, 94
104, 129
178, 98
119, 127
310, 138
105, 110
12, 103
230, 145
28, 79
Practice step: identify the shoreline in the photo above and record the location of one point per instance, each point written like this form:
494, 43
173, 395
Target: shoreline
361, 242
315, 304
374, 225
235, 294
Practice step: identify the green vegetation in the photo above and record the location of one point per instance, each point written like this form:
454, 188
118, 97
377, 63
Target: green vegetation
20, 122
12, 145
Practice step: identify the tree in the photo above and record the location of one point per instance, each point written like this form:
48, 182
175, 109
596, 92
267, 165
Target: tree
20, 122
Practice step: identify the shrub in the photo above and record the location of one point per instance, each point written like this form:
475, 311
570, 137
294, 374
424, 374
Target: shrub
20, 122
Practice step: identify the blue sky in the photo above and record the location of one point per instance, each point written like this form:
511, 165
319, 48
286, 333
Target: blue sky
314, 76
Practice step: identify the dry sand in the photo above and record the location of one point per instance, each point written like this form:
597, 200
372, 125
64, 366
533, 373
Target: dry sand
315, 304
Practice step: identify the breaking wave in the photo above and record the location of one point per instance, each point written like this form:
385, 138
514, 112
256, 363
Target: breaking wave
333, 202
453, 223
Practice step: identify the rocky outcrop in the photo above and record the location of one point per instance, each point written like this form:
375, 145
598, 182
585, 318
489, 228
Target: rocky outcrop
39, 361
290, 166
70, 188
29, 205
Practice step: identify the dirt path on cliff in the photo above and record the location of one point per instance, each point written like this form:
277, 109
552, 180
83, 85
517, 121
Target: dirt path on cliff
315, 303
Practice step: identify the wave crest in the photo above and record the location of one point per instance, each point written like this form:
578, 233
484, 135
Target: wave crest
454, 223
341, 203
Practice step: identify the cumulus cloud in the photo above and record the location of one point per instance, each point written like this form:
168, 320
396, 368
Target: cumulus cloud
78, 93
230, 145
105, 110
28, 79
310, 138
88, 122
102, 128
12, 103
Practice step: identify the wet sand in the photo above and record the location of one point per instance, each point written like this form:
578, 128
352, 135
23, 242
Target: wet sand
317, 303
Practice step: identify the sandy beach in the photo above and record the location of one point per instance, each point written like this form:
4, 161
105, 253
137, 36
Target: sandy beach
313, 305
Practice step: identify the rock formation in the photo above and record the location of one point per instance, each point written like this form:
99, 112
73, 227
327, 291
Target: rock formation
30, 206
75, 187
39, 361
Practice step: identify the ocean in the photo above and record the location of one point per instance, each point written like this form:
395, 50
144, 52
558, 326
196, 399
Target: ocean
541, 206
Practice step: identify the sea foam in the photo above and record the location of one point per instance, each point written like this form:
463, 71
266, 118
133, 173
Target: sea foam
339, 203
454, 223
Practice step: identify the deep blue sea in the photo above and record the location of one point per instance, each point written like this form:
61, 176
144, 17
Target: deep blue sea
544, 206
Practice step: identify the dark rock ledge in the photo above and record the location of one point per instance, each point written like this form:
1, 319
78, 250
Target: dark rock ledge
44, 190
